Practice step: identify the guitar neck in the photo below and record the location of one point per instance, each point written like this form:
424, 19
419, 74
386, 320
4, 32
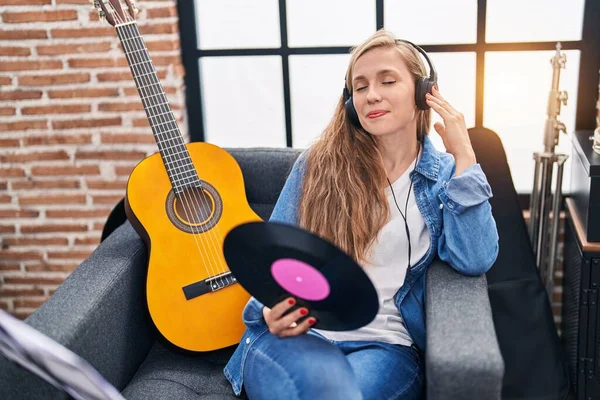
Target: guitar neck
170, 141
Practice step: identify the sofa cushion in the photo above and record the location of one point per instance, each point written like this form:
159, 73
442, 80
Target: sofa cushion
171, 374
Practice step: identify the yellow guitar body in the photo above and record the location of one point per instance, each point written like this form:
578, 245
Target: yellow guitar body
186, 247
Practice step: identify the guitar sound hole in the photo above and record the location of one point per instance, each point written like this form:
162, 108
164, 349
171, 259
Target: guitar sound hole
194, 206
195, 210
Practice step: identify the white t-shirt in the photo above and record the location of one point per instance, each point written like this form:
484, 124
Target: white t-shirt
387, 267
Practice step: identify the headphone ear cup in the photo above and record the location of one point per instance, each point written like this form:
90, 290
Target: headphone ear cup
350, 110
424, 85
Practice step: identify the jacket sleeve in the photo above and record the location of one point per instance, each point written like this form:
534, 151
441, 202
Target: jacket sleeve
469, 238
286, 207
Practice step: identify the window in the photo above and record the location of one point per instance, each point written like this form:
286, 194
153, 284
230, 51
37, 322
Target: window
271, 72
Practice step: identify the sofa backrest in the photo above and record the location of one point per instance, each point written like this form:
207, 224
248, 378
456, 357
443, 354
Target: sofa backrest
265, 171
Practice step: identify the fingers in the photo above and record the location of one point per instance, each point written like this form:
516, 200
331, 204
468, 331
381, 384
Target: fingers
285, 325
280, 308
300, 329
437, 106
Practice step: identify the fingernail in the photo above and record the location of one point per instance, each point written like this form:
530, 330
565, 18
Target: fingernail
304, 311
311, 321
291, 302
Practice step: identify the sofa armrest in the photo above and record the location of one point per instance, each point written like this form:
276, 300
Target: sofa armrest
99, 312
463, 359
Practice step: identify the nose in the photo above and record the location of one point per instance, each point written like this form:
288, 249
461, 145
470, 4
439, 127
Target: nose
373, 96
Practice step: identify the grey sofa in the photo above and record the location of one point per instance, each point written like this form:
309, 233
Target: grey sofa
99, 312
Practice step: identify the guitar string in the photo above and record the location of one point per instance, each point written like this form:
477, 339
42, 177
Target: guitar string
136, 38
186, 202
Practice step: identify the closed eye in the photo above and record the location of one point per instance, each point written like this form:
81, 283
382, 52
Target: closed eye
388, 82
360, 88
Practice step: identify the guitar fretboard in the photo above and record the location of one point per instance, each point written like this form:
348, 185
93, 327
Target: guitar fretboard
170, 141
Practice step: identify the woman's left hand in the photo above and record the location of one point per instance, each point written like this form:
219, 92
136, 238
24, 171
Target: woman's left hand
453, 131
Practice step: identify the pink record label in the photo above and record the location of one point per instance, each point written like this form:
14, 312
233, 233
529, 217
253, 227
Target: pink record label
300, 279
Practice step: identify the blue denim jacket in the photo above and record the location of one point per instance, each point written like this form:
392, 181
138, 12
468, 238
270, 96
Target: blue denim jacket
461, 228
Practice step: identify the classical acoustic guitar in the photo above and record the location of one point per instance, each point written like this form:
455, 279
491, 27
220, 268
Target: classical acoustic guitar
182, 201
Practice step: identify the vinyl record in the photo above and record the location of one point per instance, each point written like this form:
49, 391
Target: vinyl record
273, 261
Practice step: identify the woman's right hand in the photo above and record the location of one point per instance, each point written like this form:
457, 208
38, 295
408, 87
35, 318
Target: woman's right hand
287, 325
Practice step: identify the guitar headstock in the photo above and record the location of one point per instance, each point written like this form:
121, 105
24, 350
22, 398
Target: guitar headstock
113, 12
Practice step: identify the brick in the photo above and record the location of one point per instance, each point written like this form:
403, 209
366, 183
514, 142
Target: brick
87, 241
74, 93
83, 32
158, 29
110, 155
60, 49
166, 60
23, 125
24, 2
5, 198
29, 303
5, 80
86, 123
47, 267
30, 65
10, 267
92, 62
50, 184
70, 254
11, 172
18, 292
115, 76
162, 12
118, 107
98, 226
7, 229
163, 45
14, 51
4, 143
29, 241
50, 228
52, 199
21, 95
37, 156
107, 199
140, 122
3, 185
20, 255
8, 111
127, 138
18, 214
35, 280
58, 79
23, 34
39, 16
124, 169
57, 139
65, 170
107, 185
57, 109
95, 213
86, 2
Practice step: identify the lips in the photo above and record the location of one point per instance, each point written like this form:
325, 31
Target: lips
376, 113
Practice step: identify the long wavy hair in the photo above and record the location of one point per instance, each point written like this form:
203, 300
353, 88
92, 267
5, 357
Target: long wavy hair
343, 195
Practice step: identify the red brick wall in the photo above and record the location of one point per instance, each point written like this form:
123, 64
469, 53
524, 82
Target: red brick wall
71, 129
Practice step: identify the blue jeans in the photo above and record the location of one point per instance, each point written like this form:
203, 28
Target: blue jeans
313, 367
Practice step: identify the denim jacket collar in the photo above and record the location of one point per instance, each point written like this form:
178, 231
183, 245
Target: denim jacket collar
429, 163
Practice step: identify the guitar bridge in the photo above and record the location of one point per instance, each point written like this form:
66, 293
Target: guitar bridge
211, 284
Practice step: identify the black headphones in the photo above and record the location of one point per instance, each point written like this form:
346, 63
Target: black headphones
423, 86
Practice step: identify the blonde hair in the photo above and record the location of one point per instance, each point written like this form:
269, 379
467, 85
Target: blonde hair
343, 195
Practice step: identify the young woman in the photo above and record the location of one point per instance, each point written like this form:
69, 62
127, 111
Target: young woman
376, 187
